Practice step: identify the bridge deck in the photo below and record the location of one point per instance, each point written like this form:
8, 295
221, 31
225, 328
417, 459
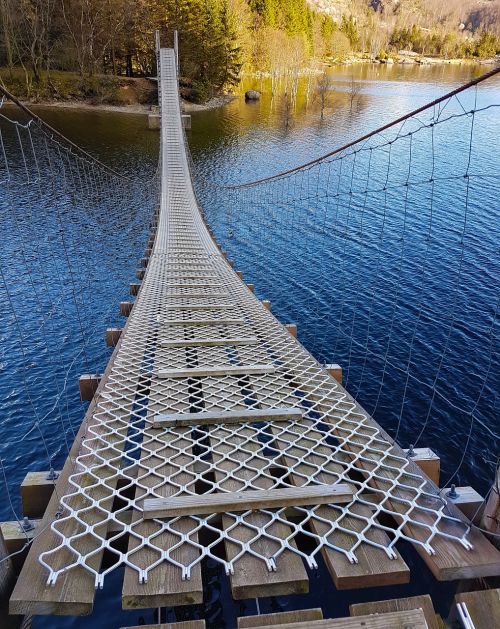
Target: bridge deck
198, 341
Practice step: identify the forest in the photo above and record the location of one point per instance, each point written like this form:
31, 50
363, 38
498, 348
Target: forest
40, 39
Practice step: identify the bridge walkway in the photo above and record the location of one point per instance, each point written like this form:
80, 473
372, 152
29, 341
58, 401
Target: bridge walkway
207, 393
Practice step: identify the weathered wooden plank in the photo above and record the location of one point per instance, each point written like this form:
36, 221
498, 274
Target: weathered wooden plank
413, 619
74, 591
226, 370
451, 560
226, 321
251, 577
165, 585
373, 567
185, 624
245, 500
214, 342
192, 307
423, 602
483, 607
228, 417
280, 618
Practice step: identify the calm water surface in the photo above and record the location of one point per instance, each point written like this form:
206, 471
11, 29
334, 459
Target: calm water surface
236, 143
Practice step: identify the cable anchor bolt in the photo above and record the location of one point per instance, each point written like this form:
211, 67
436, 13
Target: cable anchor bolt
52, 475
26, 525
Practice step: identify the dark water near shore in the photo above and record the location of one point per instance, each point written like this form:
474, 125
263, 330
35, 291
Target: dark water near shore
232, 144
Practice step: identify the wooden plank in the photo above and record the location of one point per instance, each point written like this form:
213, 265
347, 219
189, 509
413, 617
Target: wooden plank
197, 295
228, 370
245, 500
251, 576
215, 342
451, 560
185, 624
413, 619
280, 618
74, 591
228, 417
423, 602
199, 306
373, 567
483, 607
165, 584
227, 321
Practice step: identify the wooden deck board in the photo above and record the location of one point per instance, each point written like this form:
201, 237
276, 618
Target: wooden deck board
244, 500
165, 585
252, 578
280, 618
451, 560
413, 619
423, 602
483, 607
74, 591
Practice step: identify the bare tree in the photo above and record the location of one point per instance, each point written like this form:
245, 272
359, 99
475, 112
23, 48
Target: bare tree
323, 86
354, 90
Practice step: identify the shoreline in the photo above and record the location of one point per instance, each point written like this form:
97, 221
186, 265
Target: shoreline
186, 106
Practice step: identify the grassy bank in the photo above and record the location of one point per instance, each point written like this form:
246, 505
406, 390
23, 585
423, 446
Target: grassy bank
69, 87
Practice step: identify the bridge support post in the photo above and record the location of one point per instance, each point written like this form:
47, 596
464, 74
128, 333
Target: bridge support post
113, 336
15, 536
490, 520
291, 328
36, 491
335, 371
267, 304
126, 308
154, 121
186, 121
427, 461
134, 289
467, 500
88, 385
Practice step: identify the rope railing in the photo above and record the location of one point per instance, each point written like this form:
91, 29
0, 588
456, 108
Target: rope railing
384, 251
73, 229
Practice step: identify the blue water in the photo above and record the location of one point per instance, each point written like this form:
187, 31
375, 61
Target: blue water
328, 301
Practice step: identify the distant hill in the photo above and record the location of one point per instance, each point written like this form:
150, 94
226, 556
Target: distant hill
452, 15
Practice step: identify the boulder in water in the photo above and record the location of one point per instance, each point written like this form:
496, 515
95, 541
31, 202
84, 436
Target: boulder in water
252, 95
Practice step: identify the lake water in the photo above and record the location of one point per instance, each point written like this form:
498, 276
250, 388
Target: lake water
240, 142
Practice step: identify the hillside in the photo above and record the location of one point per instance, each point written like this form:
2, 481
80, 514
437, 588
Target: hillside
221, 38
455, 15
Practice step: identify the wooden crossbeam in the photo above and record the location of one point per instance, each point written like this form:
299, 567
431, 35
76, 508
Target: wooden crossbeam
199, 306
339, 493
232, 321
226, 370
251, 340
228, 417
197, 295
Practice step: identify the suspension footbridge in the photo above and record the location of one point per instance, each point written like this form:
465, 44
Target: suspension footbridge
214, 434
